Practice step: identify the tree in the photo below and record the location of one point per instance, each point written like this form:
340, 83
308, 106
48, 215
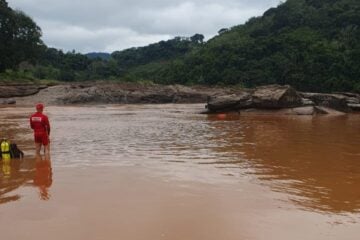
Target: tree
197, 38
19, 38
223, 30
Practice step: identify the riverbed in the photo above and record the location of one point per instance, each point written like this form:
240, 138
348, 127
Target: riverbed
168, 172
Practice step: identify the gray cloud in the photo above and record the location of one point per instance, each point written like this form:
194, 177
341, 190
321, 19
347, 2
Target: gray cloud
108, 25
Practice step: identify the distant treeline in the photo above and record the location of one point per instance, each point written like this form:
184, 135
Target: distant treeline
313, 45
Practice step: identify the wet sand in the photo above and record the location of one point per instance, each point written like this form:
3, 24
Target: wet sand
168, 188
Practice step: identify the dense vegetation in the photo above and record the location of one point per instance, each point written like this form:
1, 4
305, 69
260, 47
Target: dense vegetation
19, 38
313, 45
72, 66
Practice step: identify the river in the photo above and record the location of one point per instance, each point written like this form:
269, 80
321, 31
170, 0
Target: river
167, 172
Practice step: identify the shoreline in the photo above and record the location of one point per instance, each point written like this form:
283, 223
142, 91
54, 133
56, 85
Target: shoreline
272, 99
105, 93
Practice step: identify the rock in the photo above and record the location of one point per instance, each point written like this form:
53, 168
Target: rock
7, 101
275, 97
152, 96
354, 107
348, 94
232, 102
307, 102
265, 97
11, 101
308, 110
93, 94
352, 100
184, 94
19, 90
132, 93
326, 110
334, 101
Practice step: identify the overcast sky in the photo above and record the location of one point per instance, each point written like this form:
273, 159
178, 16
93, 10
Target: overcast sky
109, 25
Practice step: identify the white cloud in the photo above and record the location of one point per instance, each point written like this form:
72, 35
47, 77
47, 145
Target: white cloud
108, 25
102, 39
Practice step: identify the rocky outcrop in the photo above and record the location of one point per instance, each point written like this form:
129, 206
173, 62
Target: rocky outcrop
114, 93
354, 107
8, 92
122, 93
275, 96
311, 110
7, 101
283, 99
287, 98
19, 90
334, 101
229, 102
265, 97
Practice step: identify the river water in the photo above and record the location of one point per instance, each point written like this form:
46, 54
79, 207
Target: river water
167, 172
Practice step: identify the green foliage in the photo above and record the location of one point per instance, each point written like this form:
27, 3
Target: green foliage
161, 51
312, 45
23, 76
19, 38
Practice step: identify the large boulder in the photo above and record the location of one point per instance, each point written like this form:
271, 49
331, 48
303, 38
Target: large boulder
19, 90
352, 100
265, 97
8, 101
233, 102
184, 94
354, 107
275, 97
334, 101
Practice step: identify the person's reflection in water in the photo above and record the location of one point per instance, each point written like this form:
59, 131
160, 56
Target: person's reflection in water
6, 167
10, 179
43, 176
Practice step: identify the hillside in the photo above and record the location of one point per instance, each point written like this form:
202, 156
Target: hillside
312, 45
101, 55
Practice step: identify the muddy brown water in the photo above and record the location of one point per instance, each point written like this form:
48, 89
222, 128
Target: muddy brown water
167, 172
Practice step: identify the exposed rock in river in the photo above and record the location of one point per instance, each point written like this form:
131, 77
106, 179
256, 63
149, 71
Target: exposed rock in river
265, 97
7, 101
271, 97
335, 101
354, 107
102, 93
285, 97
19, 90
275, 96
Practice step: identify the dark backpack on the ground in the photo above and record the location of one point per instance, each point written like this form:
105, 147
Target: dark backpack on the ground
15, 152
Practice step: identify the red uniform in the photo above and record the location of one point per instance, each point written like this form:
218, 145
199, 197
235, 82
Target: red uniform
40, 123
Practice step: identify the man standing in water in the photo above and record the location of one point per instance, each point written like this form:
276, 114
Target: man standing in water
39, 122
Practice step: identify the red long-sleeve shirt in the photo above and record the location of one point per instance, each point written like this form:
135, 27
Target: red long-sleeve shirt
40, 123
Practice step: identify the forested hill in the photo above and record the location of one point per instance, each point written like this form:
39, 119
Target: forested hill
161, 51
313, 45
25, 57
101, 55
